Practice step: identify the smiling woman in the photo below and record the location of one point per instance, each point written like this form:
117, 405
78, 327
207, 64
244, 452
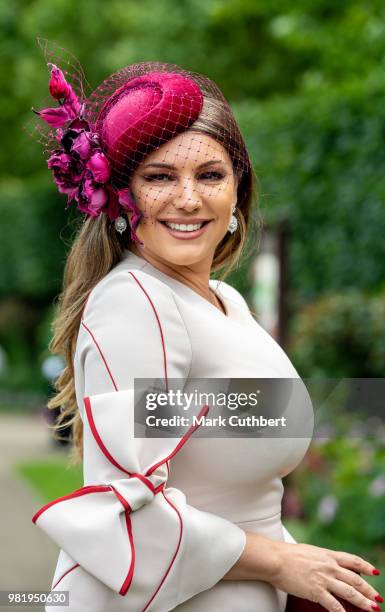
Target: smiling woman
188, 209
156, 161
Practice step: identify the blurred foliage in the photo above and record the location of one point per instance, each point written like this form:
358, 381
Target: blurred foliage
320, 161
306, 83
341, 484
340, 335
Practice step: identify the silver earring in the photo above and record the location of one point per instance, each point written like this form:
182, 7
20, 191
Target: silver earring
120, 224
233, 222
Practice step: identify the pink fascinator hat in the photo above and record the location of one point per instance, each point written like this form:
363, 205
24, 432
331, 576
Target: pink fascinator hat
144, 112
94, 139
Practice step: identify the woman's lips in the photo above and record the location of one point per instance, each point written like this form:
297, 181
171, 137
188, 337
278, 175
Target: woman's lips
184, 235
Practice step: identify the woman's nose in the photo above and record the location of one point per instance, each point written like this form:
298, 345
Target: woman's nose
188, 196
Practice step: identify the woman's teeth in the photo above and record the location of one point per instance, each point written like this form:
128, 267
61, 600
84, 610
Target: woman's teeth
184, 228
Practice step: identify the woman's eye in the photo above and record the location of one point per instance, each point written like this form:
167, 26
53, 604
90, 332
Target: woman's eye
214, 175
156, 177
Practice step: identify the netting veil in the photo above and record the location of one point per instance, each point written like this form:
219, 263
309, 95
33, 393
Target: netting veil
97, 141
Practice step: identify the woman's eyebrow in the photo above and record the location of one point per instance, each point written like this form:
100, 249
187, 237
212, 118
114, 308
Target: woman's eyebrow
172, 167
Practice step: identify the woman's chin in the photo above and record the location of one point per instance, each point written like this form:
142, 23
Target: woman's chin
184, 255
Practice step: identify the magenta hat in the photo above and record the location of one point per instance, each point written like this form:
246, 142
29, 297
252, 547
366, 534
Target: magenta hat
143, 113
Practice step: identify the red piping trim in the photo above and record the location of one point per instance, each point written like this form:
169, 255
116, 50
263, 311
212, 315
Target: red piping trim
101, 354
175, 553
159, 325
204, 410
106, 452
65, 574
77, 493
145, 481
122, 500
127, 583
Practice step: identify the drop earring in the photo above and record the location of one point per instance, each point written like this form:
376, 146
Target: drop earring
127, 201
233, 222
120, 224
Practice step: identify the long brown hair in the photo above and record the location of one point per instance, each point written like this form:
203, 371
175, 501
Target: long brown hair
97, 248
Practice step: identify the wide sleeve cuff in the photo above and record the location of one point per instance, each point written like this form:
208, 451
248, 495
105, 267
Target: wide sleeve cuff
126, 527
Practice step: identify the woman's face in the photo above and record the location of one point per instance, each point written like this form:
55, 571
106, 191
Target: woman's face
187, 180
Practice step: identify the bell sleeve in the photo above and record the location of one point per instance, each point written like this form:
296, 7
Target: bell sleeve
125, 526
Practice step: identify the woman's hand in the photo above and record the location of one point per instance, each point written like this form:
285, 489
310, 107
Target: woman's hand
318, 574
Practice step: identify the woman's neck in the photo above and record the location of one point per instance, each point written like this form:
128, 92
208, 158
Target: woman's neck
196, 277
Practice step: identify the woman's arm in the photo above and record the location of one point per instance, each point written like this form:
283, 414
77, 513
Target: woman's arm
258, 561
309, 572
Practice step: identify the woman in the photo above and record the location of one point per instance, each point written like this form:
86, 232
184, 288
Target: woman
155, 159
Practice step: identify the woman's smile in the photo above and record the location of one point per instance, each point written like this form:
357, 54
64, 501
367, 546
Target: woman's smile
185, 231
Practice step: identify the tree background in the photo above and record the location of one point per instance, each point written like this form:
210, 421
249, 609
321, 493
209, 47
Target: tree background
306, 81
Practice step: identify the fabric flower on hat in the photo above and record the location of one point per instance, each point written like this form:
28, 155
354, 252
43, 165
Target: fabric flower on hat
68, 173
102, 139
93, 196
78, 141
58, 86
80, 168
59, 89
